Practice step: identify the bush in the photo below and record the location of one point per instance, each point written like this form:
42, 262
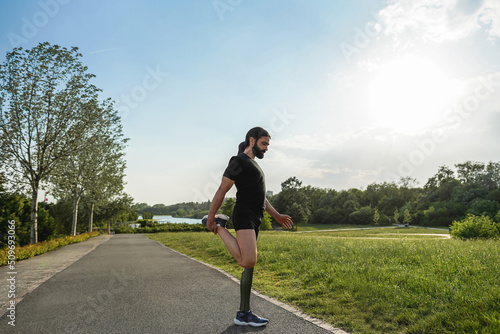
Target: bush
497, 217
147, 222
29, 251
266, 222
475, 227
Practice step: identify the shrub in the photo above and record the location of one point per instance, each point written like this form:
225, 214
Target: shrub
497, 217
475, 227
266, 222
147, 222
29, 251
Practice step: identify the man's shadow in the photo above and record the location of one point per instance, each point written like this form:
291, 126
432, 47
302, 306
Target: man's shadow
234, 329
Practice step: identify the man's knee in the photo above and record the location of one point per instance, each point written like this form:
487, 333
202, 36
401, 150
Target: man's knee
247, 263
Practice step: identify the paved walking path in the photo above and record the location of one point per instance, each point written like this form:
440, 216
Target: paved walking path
31, 273
132, 284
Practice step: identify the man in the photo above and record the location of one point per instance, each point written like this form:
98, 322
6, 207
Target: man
244, 172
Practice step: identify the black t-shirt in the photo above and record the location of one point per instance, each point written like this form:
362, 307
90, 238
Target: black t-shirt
250, 184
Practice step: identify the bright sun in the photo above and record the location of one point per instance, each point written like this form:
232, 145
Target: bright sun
409, 94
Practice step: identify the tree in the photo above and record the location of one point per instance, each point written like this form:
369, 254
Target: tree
298, 214
292, 201
396, 215
97, 167
444, 174
227, 209
45, 94
407, 217
493, 173
407, 181
376, 217
17, 208
114, 208
469, 172
362, 216
291, 183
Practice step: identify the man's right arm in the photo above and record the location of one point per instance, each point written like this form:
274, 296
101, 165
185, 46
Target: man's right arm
219, 196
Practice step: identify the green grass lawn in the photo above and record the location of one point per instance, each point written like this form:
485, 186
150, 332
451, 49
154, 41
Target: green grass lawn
396, 280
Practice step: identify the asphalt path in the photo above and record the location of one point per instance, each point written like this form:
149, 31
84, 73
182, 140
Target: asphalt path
132, 284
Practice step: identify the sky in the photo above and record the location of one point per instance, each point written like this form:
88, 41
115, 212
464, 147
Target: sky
352, 92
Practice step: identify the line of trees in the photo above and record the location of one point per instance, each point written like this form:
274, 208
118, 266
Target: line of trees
474, 188
184, 210
56, 133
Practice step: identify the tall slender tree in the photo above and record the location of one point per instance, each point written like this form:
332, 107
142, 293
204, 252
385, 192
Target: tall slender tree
105, 180
98, 165
45, 94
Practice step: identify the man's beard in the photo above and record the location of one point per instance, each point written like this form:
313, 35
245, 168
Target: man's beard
257, 151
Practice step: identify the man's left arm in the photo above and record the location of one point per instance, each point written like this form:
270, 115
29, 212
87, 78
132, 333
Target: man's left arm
284, 220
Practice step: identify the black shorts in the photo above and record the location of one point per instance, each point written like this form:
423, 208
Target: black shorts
245, 220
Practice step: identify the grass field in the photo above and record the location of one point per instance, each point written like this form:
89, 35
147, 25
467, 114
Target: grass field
395, 280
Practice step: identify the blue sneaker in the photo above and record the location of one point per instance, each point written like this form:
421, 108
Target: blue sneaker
220, 220
249, 319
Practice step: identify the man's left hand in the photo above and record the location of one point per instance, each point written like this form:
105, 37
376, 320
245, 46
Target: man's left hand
285, 221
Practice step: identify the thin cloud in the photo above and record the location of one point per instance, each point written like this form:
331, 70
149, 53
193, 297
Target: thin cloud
441, 21
106, 50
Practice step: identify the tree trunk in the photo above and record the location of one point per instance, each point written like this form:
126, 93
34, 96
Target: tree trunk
91, 219
109, 226
34, 215
76, 200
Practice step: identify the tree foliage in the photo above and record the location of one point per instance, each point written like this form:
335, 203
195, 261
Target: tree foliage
54, 132
473, 188
293, 201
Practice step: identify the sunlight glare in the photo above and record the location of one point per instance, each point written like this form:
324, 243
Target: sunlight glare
409, 94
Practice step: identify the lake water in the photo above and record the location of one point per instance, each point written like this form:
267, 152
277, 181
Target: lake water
175, 220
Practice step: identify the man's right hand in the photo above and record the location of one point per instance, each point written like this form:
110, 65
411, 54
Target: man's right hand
211, 225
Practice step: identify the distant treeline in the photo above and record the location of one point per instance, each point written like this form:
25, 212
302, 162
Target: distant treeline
184, 210
473, 188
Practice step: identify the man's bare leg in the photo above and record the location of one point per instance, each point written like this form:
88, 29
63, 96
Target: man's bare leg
243, 248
